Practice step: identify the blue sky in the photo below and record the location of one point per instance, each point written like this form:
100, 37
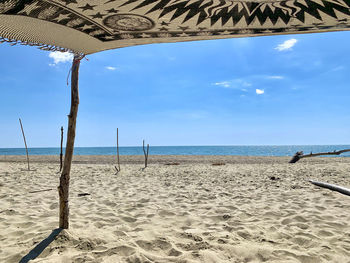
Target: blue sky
291, 89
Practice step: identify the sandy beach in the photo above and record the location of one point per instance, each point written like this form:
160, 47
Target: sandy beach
252, 209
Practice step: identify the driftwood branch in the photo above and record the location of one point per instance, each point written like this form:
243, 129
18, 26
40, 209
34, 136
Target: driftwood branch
25, 143
299, 155
38, 191
117, 168
83, 194
332, 187
218, 164
172, 163
63, 189
145, 152
61, 154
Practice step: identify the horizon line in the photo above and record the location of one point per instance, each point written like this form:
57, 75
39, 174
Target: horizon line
238, 145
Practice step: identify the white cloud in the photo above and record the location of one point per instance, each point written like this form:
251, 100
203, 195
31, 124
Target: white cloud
286, 45
234, 84
111, 68
259, 91
245, 84
338, 68
275, 77
225, 84
60, 57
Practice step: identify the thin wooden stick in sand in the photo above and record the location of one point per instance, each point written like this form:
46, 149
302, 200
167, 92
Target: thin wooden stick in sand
61, 154
118, 162
145, 153
25, 142
333, 187
38, 191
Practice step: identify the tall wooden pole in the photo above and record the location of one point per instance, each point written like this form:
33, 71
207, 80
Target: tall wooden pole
145, 152
25, 142
63, 189
118, 150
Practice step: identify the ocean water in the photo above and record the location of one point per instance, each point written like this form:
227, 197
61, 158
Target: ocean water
268, 150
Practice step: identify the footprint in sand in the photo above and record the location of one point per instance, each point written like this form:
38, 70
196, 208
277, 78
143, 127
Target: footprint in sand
194, 246
119, 233
154, 245
299, 225
129, 219
222, 241
324, 233
123, 251
82, 259
244, 234
17, 233
99, 224
86, 245
302, 241
165, 213
25, 224
191, 236
286, 221
174, 253
321, 208
53, 206
300, 219
137, 229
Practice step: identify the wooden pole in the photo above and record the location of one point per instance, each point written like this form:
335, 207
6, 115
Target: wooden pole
118, 160
145, 152
63, 189
61, 154
25, 142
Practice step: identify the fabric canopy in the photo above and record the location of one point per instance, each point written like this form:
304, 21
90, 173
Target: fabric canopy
84, 26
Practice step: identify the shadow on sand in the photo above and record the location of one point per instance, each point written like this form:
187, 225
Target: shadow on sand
35, 252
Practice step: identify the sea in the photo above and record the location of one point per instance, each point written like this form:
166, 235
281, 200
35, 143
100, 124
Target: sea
265, 150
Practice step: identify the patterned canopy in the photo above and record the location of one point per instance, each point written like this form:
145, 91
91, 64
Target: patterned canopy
89, 26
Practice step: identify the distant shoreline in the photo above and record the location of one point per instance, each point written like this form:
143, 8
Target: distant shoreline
268, 150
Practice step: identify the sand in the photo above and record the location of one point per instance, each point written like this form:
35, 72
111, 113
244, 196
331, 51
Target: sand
252, 209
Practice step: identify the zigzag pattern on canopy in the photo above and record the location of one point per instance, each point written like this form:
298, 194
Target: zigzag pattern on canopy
93, 26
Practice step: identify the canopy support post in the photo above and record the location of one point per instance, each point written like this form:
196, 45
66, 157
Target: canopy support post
63, 189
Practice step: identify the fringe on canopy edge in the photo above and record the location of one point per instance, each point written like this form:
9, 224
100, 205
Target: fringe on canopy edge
41, 46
